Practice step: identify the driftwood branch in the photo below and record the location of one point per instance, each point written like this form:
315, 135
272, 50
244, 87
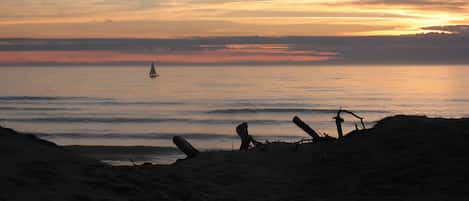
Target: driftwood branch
339, 120
356, 116
315, 137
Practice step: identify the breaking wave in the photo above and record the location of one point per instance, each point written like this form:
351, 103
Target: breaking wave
79, 100
48, 98
8, 108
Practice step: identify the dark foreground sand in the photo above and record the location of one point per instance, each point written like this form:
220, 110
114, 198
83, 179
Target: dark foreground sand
401, 158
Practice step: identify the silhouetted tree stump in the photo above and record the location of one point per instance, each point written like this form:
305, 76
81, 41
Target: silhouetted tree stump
246, 139
185, 146
242, 130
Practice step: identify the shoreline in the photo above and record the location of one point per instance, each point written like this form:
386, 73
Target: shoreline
128, 155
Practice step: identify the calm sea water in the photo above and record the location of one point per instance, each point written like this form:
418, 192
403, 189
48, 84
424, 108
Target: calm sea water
123, 106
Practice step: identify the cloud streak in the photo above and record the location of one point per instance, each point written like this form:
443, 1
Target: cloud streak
422, 4
410, 49
179, 52
453, 29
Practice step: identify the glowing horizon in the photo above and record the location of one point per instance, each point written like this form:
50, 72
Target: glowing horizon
238, 31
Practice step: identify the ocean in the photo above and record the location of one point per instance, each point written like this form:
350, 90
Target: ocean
122, 106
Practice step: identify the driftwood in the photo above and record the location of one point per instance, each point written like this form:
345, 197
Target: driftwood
315, 137
339, 120
246, 139
306, 128
185, 146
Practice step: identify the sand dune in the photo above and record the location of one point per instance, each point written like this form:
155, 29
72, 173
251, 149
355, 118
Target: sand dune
400, 158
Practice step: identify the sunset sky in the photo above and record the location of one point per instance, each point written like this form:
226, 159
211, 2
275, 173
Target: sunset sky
189, 19
185, 18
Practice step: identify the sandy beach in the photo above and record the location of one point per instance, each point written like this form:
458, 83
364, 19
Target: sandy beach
400, 158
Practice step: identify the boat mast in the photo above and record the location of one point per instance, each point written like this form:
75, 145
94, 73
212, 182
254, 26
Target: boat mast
152, 70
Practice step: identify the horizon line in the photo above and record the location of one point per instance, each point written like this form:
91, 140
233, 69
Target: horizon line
240, 64
240, 36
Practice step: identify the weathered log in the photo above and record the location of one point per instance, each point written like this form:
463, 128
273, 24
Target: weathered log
306, 128
185, 146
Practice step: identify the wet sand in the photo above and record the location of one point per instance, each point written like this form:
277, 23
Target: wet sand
400, 158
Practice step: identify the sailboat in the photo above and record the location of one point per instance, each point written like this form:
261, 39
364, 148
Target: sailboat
153, 73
